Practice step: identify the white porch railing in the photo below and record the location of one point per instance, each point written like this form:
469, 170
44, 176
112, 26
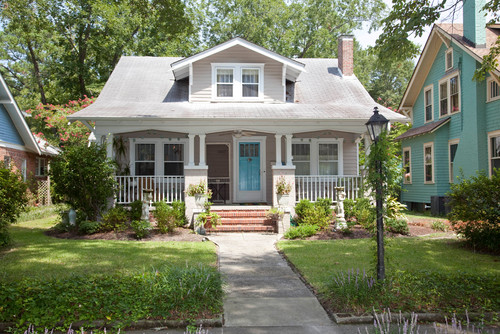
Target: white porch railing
165, 188
312, 187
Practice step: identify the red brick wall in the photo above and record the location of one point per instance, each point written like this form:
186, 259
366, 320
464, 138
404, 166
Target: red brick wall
345, 55
17, 158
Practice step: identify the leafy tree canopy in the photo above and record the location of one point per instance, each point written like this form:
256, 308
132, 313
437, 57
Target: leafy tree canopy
411, 17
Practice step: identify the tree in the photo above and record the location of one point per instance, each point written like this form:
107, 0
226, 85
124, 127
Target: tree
412, 17
83, 177
13, 200
64, 50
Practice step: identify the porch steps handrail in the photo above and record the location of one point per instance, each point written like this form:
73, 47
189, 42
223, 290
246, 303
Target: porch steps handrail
312, 187
166, 188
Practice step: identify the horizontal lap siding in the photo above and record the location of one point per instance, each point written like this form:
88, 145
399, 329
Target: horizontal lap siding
8, 131
493, 116
201, 90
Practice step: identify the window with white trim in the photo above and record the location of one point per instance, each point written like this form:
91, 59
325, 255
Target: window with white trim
449, 96
407, 165
494, 150
144, 159
237, 81
429, 163
317, 156
449, 59
493, 92
41, 167
452, 151
173, 159
7, 161
428, 103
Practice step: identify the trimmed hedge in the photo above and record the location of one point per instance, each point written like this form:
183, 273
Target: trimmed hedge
170, 293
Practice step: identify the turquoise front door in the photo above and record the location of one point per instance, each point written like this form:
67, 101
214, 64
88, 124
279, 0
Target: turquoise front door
249, 166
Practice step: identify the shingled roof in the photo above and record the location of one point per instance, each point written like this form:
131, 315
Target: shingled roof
421, 130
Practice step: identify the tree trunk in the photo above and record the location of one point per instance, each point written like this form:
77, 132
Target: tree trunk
36, 73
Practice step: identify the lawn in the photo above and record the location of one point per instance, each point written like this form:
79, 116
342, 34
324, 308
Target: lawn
438, 260
33, 254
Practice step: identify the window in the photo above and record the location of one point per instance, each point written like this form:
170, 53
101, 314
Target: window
302, 158
224, 82
494, 150
317, 156
6, 161
429, 163
449, 96
173, 159
41, 167
449, 59
452, 151
237, 81
407, 164
493, 90
24, 169
428, 103
144, 159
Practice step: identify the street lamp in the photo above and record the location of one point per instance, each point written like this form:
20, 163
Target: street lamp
375, 125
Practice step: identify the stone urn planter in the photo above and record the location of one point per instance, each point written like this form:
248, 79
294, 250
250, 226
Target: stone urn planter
199, 200
283, 199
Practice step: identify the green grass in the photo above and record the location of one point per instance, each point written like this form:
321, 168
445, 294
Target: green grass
33, 254
318, 261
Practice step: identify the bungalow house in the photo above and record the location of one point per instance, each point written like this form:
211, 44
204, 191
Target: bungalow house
456, 120
19, 148
238, 117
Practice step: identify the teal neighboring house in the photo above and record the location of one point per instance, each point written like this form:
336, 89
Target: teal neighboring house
456, 120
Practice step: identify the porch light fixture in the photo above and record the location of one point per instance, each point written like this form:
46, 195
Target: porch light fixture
375, 125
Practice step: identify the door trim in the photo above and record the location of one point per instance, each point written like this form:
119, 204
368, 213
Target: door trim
238, 197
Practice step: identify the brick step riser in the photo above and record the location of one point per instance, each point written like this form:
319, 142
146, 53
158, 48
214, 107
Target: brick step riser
238, 228
245, 221
241, 214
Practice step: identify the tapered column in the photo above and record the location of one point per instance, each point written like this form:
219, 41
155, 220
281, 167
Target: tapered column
289, 150
109, 145
202, 150
191, 149
278, 149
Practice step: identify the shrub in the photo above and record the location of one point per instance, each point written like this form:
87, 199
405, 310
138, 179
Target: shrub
324, 205
13, 201
165, 217
141, 228
115, 219
318, 213
475, 213
83, 176
399, 226
365, 214
301, 231
179, 208
181, 293
349, 213
300, 209
438, 225
135, 210
89, 227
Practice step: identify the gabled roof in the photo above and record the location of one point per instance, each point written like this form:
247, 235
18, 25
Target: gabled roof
17, 117
445, 33
46, 148
424, 129
180, 67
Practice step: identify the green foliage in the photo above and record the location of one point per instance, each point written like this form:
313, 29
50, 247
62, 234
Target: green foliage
141, 228
135, 210
283, 187
83, 177
301, 208
179, 208
199, 189
212, 218
396, 225
38, 212
349, 213
165, 217
318, 213
324, 205
394, 209
274, 214
171, 292
88, 227
13, 201
116, 219
439, 225
301, 231
475, 212
365, 214
353, 287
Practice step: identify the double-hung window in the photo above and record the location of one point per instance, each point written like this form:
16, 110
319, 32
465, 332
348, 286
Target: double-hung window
428, 103
452, 151
236, 82
449, 95
448, 59
407, 164
494, 150
313, 156
41, 167
302, 158
429, 163
173, 159
328, 159
493, 92
144, 159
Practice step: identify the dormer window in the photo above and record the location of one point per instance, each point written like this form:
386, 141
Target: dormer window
449, 59
237, 82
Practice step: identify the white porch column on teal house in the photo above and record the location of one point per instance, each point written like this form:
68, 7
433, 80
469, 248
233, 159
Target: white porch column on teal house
194, 174
286, 171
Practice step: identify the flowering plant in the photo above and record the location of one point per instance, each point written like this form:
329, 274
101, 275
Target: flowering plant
283, 187
199, 189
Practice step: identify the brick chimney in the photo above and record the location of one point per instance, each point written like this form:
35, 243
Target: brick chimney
474, 23
345, 54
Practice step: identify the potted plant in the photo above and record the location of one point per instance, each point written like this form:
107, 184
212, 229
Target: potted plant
209, 219
283, 190
274, 214
200, 192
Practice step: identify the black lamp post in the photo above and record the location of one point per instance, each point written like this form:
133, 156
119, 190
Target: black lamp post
375, 125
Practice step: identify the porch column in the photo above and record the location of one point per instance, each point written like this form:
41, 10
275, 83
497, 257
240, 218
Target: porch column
289, 150
109, 145
191, 149
202, 149
288, 174
278, 149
